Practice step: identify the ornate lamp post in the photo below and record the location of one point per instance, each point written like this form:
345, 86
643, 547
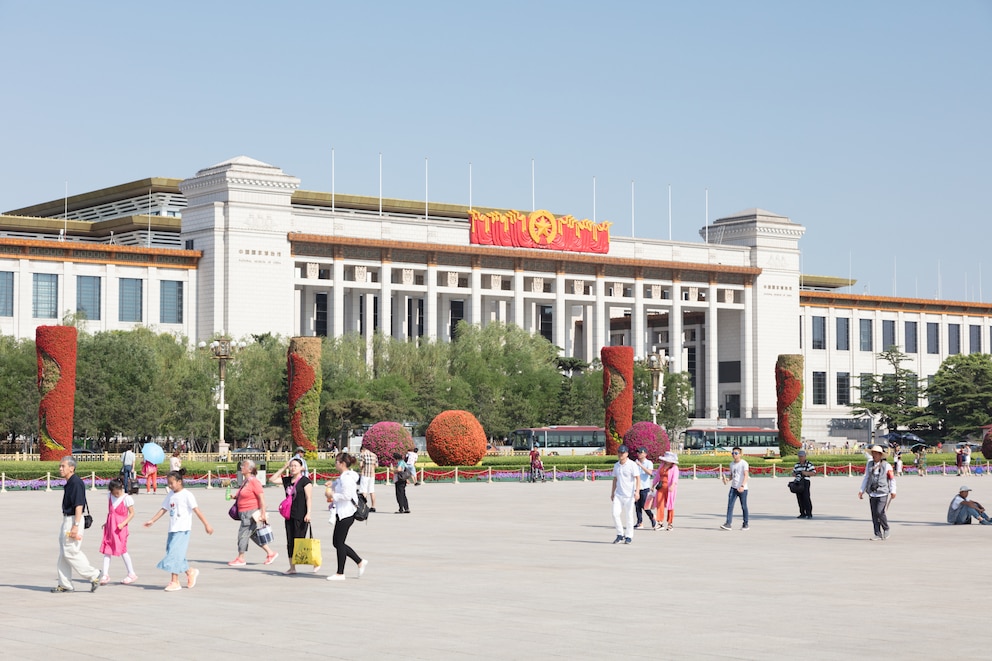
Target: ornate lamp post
657, 365
222, 349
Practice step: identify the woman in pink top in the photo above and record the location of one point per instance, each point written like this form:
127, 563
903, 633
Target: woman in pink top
251, 509
666, 481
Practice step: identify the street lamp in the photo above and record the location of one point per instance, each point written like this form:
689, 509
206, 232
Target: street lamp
222, 349
657, 365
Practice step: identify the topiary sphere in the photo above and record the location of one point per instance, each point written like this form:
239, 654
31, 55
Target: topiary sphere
455, 438
987, 445
649, 436
385, 438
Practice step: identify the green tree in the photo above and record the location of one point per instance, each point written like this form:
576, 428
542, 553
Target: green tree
893, 398
19, 394
961, 393
254, 392
676, 403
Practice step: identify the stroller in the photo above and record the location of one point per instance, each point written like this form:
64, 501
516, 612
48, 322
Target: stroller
537, 470
130, 480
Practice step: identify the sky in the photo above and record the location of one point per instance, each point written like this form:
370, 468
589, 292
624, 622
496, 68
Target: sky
866, 122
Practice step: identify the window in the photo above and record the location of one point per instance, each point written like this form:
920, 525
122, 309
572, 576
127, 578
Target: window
6, 293
953, 339
843, 388
88, 296
819, 388
865, 339
888, 334
866, 380
819, 332
933, 338
974, 339
171, 302
843, 334
130, 300
912, 337
45, 296
546, 323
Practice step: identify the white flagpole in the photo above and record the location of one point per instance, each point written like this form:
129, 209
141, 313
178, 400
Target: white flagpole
895, 274
707, 225
470, 184
533, 206
426, 189
380, 184
148, 241
669, 212
632, 208
65, 218
594, 198
332, 179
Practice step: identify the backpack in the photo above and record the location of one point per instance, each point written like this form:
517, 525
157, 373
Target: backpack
361, 507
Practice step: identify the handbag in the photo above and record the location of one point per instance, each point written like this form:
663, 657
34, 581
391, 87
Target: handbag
233, 512
795, 486
87, 519
264, 534
306, 550
287, 504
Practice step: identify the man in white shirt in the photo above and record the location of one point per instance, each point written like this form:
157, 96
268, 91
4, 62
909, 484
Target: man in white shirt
127, 468
411, 462
961, 510
739, 475
626, 488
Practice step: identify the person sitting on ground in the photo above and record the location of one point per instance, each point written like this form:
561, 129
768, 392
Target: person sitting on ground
961, 510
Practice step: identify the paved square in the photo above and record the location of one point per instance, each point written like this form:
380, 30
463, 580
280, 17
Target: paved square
523, 571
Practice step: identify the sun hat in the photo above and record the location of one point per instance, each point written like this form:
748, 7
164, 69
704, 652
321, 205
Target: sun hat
670, 457
877, 448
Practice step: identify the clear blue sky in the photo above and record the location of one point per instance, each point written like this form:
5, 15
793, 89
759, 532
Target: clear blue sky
867, 122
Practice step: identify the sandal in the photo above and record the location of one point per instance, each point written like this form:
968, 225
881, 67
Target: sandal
129, 579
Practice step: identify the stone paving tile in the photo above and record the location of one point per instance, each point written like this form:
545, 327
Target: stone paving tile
517, 571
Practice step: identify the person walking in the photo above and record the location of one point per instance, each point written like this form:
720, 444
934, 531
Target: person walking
151, 476
127, 469
411, 459
966, 452
344, 494
180, 505
369, 462
801, 472
879, 483
645, 468
71, 556
120, 511
299, 492
251, 510
625, 489
739, 476
666, 486
400, 477
175, 462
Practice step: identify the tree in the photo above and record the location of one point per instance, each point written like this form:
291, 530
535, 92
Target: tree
961, 393
19, 394
676, 402
893, 398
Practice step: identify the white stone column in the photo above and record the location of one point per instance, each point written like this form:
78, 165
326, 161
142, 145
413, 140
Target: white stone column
518, 296
475, 307
561, 334
386, 299
638, 321
601, 336
675, 329
747, 365
712, 355
337, 297
432, 303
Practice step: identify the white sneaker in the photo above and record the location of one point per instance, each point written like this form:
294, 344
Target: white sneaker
361, 567
336, 577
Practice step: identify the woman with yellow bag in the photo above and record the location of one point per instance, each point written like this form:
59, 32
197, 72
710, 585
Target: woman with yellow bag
296, 509
343, 492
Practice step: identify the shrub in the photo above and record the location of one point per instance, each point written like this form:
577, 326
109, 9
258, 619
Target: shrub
618, 393
56, 348
649, 436
789, 389
455, 438
385, 438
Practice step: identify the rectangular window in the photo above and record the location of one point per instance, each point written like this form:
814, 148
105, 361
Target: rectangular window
171, 302
888, 334
933, 338
974, 339
953, 339
45, 296
130, 300
819, 388
6, 293
843, 388
865, 394
843, 334
819, 332
865, 340
88, 296
546, 323
912, 337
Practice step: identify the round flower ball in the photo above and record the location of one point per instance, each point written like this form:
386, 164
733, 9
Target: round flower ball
455, 438
385, 438
649, 436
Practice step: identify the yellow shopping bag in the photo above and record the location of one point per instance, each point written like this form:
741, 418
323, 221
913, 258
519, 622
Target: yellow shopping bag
306, 551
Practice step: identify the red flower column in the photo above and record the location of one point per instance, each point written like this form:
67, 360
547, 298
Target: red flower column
618, 393
789, 389
56, 347
304, 376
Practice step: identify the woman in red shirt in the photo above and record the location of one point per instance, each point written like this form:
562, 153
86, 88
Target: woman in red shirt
251, 510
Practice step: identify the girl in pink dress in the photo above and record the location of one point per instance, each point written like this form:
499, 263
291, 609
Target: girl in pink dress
120, 512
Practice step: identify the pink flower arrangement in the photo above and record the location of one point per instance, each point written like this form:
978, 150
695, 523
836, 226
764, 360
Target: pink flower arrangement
649, 436
385, 438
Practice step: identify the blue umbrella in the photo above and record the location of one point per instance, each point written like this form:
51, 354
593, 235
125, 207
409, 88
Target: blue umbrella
153, 452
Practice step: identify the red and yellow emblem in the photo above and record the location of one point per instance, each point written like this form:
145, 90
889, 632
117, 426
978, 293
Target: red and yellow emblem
538, 229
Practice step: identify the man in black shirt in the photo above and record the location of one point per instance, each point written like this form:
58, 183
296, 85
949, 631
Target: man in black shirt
71, 556
801, 472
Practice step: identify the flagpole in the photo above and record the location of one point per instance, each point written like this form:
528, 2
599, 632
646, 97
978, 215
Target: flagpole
632, 234
426, 189
470, 184
332, 179
594, 198
533, 206
669, 212
707, 219
380, 184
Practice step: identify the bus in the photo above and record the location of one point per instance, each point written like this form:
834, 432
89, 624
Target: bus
560, 440
751, 440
